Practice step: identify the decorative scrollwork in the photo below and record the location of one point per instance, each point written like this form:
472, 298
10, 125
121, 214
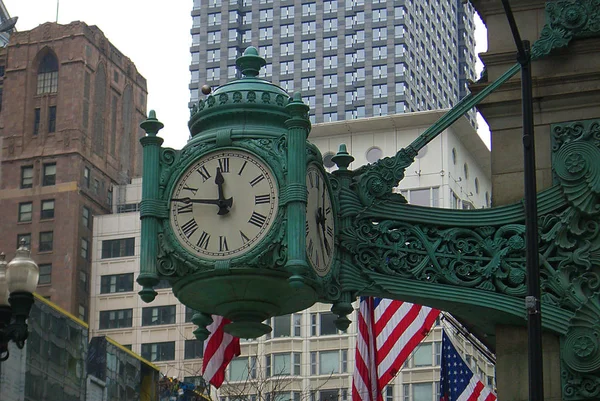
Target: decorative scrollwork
567, 20
168, 156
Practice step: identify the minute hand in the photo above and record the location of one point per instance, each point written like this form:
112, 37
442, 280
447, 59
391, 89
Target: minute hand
204, 201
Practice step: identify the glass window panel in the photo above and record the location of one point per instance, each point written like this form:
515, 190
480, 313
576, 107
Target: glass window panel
282, 364
422, 392
282, 326
328, 323
329, 362
423, 355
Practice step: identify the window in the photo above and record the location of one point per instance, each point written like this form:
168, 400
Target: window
157, 315
24, 239
49, 177
423, 355
266, 15
309, 46
214, 37
242, 368
308, 64
265, 33
309, 27
46, 241
374, 154
329, 395
213, 55
116, 283
109, 195
282, 364
47, 209
330, 25
333, 362
116, 319
47, 79
422, 392
45, 274
162, 284
466, 170
287, 12
189, 314
86, 177
84, 248
330, 81
117, 248
36, 121
287, 30
476, 185
327, 323
164, 351
193, 349
389, 393
309, 9
25, 211
214, 19
26, 176
85, 216
287, 67
282, 326
52, 119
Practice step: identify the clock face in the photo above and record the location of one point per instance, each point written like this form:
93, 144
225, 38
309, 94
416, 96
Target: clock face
320, 224
224, 204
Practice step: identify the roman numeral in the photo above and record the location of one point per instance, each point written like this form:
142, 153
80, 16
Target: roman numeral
257, 180
330, 231
317, 180
310, 180
260, 199
257, 219
328, 211
189, 228
242, 168
204, 173
317, 260
307, 229
310, 249
223, 243
224, 164
244, 237
192, 190
185, 209
203, 240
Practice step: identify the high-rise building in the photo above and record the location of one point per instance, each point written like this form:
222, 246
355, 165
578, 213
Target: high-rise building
305, 357
69, 131
349, 58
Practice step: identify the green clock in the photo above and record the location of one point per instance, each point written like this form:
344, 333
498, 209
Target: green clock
320, 224
224, 204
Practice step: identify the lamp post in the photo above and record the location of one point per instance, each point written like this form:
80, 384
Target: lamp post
18, 281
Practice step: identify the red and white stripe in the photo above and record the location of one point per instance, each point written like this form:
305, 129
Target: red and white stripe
476, 391
388, 331
364, 380
219, 350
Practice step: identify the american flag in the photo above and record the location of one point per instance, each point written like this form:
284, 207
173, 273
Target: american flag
219, 350
388, 331
457, 381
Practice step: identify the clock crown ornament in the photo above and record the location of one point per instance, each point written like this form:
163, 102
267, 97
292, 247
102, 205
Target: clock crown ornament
224, 219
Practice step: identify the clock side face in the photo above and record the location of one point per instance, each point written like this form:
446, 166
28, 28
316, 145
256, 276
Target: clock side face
320, 224
224, 204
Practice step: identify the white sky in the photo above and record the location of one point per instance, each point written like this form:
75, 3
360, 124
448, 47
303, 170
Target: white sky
155, 35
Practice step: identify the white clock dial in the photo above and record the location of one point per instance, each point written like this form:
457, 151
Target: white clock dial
224, 204
320, 224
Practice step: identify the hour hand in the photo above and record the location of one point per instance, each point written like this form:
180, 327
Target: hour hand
224, 204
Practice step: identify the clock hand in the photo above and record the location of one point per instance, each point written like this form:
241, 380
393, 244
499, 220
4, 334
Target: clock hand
224, 204
218, 202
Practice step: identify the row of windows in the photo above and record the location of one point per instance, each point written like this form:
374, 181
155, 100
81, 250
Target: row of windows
116, 283
48, 175
37, 117
118, 248
26, 210
45, 244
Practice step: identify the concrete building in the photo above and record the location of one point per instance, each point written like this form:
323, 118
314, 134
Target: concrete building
359, 58
305, 355
71, 106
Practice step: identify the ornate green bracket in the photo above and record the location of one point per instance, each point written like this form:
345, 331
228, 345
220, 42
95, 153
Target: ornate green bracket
567, 20
465, 261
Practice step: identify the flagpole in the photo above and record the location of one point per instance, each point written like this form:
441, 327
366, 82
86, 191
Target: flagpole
57, 4
469, 337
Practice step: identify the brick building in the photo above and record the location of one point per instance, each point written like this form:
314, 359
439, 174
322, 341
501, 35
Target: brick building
69, 131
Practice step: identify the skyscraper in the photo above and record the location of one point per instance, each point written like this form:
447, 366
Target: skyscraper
350, 59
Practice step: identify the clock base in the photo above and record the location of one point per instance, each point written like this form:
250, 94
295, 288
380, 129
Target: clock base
247, 329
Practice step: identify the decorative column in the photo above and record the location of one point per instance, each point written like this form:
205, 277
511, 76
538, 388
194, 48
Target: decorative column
151, 208
298, 127
343, 307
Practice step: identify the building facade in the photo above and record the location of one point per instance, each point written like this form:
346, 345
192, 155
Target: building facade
351, 59
305, 356
71, 106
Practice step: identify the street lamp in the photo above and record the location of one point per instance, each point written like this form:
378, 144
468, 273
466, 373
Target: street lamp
18, 281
